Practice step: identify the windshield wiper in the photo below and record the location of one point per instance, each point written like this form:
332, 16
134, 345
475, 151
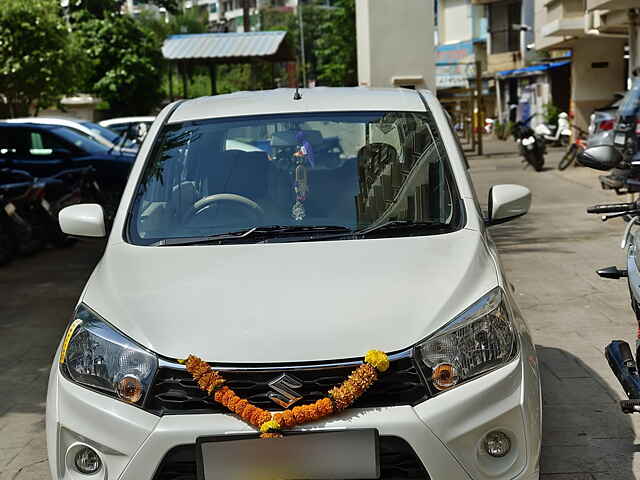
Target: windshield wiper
399, 225
264, 232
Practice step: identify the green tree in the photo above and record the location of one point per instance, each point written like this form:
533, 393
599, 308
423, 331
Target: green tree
102, 8
336, 46
126, 62
39, 59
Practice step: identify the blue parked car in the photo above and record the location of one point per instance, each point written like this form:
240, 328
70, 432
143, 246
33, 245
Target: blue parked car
44, 150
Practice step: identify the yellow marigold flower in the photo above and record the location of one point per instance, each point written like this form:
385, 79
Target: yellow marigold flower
270, 426
377, 359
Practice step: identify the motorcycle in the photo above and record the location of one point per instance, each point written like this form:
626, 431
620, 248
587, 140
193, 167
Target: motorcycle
618, 353
532, 146
21, 226
52, 194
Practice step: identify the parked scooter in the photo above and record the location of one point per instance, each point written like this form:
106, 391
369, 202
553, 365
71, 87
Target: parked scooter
531, 145
557, 136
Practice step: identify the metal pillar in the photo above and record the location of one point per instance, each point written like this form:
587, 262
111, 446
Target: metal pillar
170, 65
634, 42
213, 79
479, 107
303, 60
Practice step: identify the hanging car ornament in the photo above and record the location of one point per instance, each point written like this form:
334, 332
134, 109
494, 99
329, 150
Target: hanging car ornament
303, 154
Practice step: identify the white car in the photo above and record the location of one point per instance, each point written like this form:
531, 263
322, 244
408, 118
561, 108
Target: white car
86, 128
355, 227
134, 128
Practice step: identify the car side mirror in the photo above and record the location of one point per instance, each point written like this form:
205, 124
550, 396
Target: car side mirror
507, 202
83, 220
601, 157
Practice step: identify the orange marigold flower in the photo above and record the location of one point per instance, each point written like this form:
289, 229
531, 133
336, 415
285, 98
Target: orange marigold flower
298, 413
219, 394
232, 403
229, 394
240, 406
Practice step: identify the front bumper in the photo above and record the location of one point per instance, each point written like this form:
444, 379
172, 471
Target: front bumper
446, 432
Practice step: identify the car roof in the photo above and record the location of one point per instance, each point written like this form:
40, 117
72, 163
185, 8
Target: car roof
117, 121
67, 122
319, 99
5, 124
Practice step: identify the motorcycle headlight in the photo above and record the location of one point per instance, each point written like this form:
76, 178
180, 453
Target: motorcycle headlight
480, 339
96, 355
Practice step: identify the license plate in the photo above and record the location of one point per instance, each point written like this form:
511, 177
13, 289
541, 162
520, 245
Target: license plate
46, 205
10, 208
619, 139
348, 454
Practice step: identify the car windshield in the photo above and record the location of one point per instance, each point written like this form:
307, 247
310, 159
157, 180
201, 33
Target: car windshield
113, 137
630, 106
102, 131
353, 171
81, 140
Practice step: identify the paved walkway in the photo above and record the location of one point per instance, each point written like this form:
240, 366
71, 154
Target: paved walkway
550, 255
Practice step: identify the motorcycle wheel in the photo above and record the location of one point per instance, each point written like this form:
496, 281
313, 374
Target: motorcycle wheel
536, 160
568, 158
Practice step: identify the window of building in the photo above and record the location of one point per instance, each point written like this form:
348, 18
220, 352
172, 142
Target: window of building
502, 17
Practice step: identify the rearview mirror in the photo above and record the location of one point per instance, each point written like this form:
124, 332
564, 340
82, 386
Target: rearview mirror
507, 202
83, 220
601, 157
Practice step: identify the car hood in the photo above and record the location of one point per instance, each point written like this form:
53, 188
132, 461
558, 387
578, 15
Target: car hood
289, 302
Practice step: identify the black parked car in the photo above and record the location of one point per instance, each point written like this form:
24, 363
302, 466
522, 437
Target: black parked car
45, 150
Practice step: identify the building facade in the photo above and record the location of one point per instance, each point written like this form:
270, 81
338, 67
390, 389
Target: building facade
596, 32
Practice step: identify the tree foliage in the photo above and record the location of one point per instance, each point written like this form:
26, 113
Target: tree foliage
125, 59
103, 8
336, 46
39, 59
329, 38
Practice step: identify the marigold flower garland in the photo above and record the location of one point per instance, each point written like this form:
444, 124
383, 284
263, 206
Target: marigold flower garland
271, 425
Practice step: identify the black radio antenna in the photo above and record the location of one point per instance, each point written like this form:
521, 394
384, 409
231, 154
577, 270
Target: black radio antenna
296, 95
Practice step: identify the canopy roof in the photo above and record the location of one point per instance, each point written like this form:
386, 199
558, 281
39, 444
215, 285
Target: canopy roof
227, 47
532, 70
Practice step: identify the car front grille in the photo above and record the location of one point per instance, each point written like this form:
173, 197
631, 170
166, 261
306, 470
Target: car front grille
397, 461
175, 392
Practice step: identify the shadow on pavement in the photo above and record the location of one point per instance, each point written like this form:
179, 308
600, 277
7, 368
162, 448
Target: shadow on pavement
584, 433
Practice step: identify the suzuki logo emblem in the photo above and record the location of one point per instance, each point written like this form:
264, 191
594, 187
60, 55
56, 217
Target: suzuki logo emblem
285, 394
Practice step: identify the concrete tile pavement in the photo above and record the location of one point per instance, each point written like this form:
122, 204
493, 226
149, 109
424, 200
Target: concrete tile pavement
550, 255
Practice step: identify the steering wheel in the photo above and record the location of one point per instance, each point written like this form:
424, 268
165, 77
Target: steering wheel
210, 202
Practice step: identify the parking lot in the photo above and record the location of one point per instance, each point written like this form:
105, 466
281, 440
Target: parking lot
550, 255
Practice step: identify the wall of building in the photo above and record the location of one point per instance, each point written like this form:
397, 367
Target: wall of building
593, 87
395, 43
455, 23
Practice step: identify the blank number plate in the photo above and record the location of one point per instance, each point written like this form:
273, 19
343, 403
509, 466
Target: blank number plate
322, 455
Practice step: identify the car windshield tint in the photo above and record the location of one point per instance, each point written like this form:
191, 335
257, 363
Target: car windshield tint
81, 140
630, 106
102, 131
350, 170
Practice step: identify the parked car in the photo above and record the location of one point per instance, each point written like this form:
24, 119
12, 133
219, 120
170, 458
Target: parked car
46, 150
602, 122
100, 134
134, 129
281, 270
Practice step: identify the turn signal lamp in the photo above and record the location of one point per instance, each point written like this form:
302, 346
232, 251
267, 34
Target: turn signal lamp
444, 376
129, 388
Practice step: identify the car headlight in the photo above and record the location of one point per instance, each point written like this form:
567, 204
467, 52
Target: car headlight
96, 355
480, 339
